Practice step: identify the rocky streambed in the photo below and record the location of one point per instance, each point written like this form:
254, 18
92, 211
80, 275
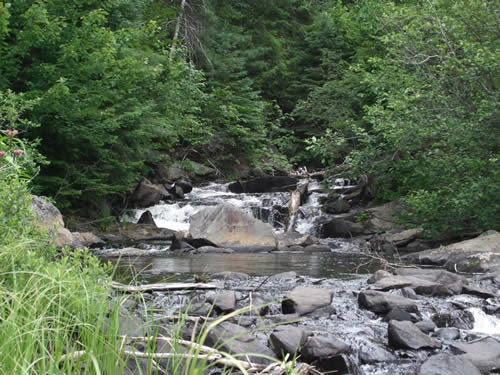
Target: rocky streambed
407, 321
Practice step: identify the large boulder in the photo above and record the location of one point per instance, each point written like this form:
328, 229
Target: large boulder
229, 226
147, 194
405, 335
304, 300
479, 254
50, 217
265, 184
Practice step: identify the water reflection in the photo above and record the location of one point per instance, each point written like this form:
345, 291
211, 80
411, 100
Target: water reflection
331, 265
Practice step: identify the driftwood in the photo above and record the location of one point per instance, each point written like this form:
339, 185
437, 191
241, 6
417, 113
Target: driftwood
294, 204
206, 353
161, 286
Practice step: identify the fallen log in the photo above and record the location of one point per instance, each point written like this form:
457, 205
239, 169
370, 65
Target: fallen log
294, 204
162, 286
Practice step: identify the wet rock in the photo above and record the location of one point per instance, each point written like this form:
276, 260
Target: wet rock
461, 319
317, 249
484, 354
128, 232
426, 326
338, 206
479, 254
448, 334
409, 293
341, 228
147, 194
326, 353
447, 364
234, 339
147, 218
229, 226
211, 250
371, 352
478, 292
230, 276
264, 184
382, 302
287, 239
125, 252
224, 302
287, 340
399, 315
185, 185
405, 335
304, 300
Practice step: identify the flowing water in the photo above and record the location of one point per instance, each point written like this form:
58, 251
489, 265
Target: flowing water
344, 259
344, 269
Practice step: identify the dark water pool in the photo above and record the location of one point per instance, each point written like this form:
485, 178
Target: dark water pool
328, 265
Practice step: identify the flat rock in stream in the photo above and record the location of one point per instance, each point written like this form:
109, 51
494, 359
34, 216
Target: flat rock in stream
228, 226
382, 302
305, 300
129, 232
405, 335
447, 364
125, 252
479, 254
484, 354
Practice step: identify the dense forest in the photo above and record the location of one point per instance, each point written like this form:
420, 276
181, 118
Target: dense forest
405, 91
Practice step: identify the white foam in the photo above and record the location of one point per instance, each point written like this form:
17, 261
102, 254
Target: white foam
484, 323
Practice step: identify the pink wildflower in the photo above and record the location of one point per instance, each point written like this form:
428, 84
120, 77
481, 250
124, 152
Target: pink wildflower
11, 133
18, 152
2, 154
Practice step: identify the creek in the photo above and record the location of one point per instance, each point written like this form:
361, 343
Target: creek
343, 270
343, 261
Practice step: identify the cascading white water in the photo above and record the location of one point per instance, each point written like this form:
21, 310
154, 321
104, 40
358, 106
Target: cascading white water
175, 215
484, 323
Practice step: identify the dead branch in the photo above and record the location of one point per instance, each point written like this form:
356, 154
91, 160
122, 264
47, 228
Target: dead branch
161, 286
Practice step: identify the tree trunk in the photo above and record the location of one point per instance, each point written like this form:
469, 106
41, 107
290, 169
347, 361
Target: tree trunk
294, 204
177, 28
